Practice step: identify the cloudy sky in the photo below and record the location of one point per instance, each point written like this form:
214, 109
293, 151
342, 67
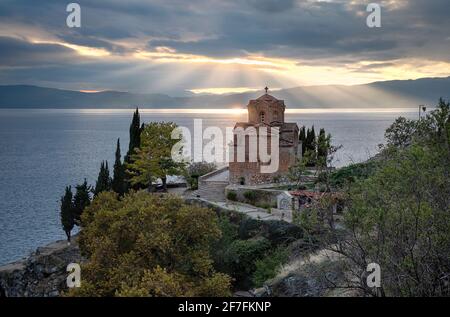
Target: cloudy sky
174, 46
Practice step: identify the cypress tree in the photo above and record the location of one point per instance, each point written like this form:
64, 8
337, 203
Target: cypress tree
302, 138
313, 140
135, 135
135, 142
103, 180
118, 183
310, 146
322, 146
308, 140
81, 200
67, 217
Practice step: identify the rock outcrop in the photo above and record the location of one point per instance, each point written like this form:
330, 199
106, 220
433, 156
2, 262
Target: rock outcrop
42, 274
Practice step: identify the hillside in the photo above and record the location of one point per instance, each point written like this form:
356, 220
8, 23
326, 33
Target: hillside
399, 93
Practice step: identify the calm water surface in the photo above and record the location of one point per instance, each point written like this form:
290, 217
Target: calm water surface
42, 151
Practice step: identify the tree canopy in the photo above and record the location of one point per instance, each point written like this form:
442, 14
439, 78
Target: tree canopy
103, 180
118, 183
398, 215
66, 214
153, 160
149, 245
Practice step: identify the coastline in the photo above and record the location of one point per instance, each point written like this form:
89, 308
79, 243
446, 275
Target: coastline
43, 273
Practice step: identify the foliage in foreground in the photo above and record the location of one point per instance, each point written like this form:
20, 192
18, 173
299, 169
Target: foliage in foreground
267, 267
149, 245
400, 219
251, 251
399, 216
350, 174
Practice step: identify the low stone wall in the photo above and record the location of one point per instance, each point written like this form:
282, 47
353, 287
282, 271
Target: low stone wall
264, 198
42, 274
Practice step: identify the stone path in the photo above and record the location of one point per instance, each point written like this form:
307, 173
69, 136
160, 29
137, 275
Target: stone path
252, 211
211, 192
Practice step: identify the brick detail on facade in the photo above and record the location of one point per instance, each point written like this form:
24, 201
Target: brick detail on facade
265, 112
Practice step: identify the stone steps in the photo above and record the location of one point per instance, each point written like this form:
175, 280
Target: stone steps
214, 191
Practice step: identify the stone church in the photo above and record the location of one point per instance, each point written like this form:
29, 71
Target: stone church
266, 111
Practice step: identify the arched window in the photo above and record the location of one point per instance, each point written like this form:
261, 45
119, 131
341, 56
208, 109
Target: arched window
275, 116
262, 117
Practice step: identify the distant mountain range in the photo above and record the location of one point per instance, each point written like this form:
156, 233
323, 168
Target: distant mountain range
385, 94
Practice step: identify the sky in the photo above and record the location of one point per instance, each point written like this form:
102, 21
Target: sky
177, 47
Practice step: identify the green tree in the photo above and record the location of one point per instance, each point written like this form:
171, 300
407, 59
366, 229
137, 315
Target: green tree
399, 216
154, 159
323, 144
401, 132
149, 245
268, 266
118, 184
81, 200
311, 146
103, 180
240, 258
135, 135
66, 214
302, 138
299, 171
311, 140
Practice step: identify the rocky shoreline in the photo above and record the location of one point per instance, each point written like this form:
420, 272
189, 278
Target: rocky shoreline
42, 274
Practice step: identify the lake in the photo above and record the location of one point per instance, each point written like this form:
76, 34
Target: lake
43, 150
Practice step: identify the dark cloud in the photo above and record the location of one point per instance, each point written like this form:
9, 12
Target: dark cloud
16, 52
271, 6
328, 32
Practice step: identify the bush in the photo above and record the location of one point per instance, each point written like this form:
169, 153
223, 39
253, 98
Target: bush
219, 248
232, 196
280, 232
267, 267
132, 245
349, 174
250, 195
241, 256
249, 228
277, 232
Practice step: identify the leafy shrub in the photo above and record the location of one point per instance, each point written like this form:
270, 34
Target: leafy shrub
277, 232
267, 267
232, 196
219, 248
280, 232
351, 173
241, 256
131, 245
251, 196
249, 228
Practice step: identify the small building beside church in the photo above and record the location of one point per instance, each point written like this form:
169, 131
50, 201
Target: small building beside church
267, 112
